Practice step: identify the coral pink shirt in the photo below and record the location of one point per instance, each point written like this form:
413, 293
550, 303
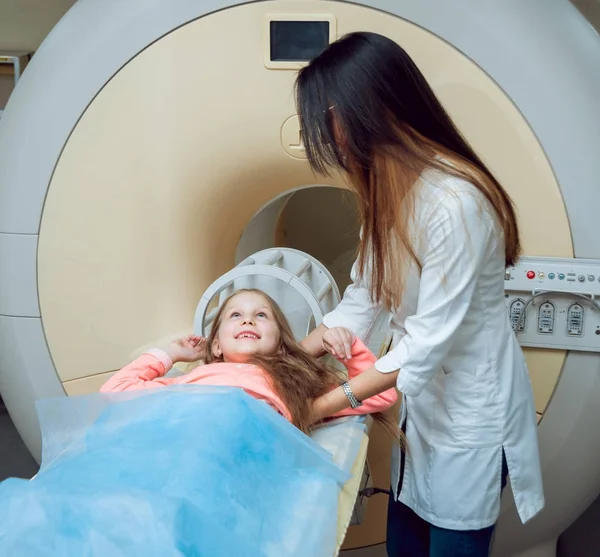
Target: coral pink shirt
148, 372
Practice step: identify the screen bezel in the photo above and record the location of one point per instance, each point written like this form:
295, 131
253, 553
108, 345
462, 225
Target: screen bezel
292, 65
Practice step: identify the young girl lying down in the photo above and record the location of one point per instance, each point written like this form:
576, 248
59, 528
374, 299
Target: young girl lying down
199, 466
251, 346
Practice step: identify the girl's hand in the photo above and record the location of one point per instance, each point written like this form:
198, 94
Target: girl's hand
338, 342
187, 349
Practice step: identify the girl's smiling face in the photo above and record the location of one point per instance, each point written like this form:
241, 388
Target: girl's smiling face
248, 327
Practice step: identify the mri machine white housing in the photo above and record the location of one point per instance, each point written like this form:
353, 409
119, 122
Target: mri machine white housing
541, 53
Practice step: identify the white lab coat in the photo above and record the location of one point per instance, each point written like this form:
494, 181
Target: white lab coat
467, 392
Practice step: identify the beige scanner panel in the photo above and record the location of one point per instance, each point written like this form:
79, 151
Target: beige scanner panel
181, 148
155, 187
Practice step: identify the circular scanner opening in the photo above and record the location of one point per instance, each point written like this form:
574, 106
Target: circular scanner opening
322, 221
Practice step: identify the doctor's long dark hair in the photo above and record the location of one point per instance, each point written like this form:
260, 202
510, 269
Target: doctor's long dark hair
366, 110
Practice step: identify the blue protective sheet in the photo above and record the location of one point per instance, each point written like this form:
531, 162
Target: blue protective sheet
187, 470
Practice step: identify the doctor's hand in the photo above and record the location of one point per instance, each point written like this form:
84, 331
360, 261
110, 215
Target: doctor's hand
338, 342
186, 349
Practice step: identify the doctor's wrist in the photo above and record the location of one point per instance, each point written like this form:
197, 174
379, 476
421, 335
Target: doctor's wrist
330, 403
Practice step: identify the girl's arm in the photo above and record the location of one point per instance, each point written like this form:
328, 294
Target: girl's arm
147, 371
144, 373
313, 343
369, 384
362, 359
356, 312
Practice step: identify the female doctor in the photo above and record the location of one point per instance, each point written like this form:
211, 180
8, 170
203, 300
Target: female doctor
437, 233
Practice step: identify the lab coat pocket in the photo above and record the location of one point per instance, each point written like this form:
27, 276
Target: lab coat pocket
471, 403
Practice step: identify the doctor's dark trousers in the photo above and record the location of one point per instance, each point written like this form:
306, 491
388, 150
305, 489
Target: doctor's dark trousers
408, 535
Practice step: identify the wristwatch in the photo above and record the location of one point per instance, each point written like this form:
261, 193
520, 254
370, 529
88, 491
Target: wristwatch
354, 402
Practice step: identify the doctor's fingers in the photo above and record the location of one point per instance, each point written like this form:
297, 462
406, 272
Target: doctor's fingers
339, 343
347, 337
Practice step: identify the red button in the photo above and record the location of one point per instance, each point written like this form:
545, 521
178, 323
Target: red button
530, 274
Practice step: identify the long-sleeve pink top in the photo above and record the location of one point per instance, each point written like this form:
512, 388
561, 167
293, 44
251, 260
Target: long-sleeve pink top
147, 372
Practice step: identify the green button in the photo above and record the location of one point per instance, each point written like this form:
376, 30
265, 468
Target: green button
561, 276
551, 276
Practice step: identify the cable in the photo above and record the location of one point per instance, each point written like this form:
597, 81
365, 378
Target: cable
370, 491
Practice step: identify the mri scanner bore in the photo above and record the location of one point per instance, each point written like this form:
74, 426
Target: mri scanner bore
150, 167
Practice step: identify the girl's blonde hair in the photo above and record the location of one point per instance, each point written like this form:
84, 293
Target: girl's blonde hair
297, 377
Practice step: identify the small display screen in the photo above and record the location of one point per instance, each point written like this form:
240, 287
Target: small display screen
298, 41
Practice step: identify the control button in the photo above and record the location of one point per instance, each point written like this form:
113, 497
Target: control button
541, 275
507, 274
581, 278
530, 274
591, 278
561, 276
551, 276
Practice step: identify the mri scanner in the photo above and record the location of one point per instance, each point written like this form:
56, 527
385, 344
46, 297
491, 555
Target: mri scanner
153, 145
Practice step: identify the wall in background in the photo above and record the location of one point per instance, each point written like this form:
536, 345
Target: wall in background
23, 26
25, 23
591, 10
